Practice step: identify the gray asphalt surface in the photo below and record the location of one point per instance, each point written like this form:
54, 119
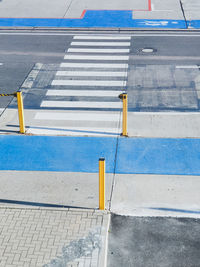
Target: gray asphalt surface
19, 53
153, 242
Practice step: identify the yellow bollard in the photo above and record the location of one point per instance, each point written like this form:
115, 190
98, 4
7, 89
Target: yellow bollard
20, 112
102, 184
124, 98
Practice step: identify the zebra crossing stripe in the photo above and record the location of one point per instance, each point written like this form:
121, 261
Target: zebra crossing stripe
91, 57
94, 65
188, 67
94, 93
101, 43
92, 50
97, 37
81, 104
78, 116
88, 83
92, 73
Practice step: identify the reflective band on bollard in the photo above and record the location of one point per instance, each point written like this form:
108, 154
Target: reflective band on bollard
102, 184
20, 112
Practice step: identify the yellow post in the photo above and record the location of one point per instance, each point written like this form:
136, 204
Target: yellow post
124, 98
102, 184
20, 112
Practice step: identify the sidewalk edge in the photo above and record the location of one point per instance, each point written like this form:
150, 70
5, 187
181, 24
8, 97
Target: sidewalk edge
104, 233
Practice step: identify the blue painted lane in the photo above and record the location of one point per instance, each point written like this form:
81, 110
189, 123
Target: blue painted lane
29, 22
81, 154
158, 156
195, 24
95, 19
47, 153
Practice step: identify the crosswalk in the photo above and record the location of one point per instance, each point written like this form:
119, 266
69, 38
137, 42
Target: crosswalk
82, 99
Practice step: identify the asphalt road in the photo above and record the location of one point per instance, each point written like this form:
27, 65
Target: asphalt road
153, 242
20, 51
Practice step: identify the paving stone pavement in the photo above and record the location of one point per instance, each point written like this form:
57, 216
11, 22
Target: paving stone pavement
51, 237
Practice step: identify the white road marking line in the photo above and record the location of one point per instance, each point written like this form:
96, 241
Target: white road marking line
197, 85
93, 50
97, 37
77, 116
81, 104
187, 67
32, 76
75, 131
91, 57
1, 110
88, 83
100, 93
101, 43
92, 73
94, 65
1, 64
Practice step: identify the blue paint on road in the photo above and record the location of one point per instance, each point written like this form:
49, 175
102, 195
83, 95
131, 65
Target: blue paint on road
47, 153
193, 24
81, 154
159, 156
95, 19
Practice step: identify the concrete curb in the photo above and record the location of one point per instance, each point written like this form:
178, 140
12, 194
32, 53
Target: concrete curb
114, 29
104, 234
12, 30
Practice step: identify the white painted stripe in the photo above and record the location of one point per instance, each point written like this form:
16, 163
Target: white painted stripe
92, 73
91, 57
77, 116
197, 85
74, 131
1, 64
94, 65
96, 50
32, 76
81, 104
88, 83
1, 110
99, 93
97, 37
188, 67
101, 43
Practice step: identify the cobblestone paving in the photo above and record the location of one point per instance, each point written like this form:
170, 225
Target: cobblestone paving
46, 237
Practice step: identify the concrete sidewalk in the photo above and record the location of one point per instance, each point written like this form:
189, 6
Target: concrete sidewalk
156, 196
105, 14
68, 189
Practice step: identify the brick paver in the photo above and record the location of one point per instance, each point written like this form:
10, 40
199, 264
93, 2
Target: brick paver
50, 237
